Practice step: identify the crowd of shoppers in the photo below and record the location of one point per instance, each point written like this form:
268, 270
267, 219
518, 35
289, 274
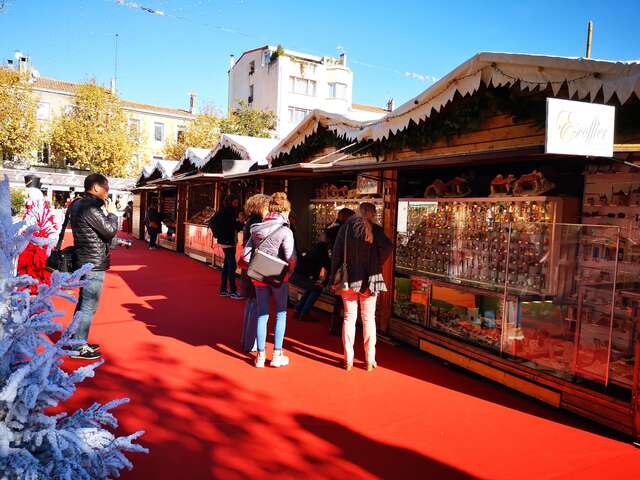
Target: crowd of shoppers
354, 246
354, 240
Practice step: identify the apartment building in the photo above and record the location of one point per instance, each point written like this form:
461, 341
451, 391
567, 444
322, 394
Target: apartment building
154, 125
292, 84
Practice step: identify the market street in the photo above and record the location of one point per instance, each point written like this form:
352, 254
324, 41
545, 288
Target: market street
172, 346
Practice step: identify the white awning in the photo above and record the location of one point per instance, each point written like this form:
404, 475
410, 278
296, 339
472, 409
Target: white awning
194, 155
584, 77
248, 148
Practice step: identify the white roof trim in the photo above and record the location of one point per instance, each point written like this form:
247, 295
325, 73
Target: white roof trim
340, 124
249, 148
196, 156
585, 78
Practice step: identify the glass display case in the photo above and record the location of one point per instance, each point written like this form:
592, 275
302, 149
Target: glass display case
471, 314
610, 271
509, 276
325, 211
472, 240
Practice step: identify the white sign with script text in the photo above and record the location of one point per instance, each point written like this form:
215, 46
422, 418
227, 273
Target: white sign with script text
579, 128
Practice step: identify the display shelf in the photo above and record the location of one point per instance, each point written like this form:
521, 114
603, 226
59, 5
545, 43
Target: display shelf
324, 211
495, 242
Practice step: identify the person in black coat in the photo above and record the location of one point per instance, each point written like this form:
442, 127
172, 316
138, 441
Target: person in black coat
93, 230
225, 227
153, 222
307, 276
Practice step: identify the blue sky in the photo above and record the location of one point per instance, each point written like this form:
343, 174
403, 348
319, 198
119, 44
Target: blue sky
163, 57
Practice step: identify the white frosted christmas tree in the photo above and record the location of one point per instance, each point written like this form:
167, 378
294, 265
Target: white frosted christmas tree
35, 445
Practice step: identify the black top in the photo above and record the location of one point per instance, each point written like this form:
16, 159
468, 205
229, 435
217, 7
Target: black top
364, 260
311, 264
92, 232
225, 226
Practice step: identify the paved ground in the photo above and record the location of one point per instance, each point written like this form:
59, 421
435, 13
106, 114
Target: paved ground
171, 345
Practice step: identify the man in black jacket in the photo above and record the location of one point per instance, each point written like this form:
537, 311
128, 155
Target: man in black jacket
225, 227
94, 224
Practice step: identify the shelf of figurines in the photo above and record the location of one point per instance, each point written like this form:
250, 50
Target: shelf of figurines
324, 211
486, 242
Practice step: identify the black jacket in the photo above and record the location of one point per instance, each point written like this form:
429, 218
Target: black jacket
310, 265
225, 226
92, 232
364, 260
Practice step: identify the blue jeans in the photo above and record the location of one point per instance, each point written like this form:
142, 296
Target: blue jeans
229, 270
249, 325
280, 295
307, 300
88, 303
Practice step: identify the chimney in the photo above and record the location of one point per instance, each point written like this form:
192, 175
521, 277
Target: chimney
24, 62
343, 59
232, 61
192, 102
390, 105
113, 86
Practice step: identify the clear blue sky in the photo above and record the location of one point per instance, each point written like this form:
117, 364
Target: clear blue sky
162, 58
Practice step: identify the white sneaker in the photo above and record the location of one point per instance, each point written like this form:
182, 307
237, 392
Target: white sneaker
259, 360
279, 360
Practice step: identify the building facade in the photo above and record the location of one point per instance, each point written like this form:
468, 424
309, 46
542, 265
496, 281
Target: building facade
292, 84
153, 125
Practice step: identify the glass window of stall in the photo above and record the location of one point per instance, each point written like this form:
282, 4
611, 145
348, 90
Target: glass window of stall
518, 274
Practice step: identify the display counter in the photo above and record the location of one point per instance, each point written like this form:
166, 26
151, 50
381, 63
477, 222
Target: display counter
199, 242
512, 276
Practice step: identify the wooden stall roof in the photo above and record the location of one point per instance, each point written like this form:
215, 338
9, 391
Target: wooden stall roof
585, 79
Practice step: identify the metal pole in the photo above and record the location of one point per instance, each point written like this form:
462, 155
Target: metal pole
115, 67
589, 34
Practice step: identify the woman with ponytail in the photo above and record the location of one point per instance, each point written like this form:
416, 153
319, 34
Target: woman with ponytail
362, 245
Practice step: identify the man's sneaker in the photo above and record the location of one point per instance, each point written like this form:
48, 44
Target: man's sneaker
85, 352
236, 296
224, 294
93, 346
259, 360
279, 359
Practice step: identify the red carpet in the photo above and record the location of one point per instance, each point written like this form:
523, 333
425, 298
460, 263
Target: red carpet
171, 345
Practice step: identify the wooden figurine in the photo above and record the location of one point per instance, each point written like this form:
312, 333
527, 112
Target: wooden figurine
436, 189
532, 184
502, 186
457, 187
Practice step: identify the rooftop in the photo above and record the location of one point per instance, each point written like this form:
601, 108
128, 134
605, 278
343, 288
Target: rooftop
43, 83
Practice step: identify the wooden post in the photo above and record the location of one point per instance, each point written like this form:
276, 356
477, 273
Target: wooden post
589, 34
635, 388
181, 216
143, 213
390, 198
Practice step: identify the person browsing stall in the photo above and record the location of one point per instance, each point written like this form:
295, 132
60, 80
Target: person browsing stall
274, 238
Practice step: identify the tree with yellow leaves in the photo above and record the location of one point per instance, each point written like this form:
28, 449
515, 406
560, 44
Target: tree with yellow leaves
205, 130
94, 134
202, 132
19, 134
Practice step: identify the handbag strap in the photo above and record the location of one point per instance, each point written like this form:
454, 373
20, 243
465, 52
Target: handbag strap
344, 253
64, 227
257, 247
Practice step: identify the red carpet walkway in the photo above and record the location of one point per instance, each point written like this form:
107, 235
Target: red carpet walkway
171, 345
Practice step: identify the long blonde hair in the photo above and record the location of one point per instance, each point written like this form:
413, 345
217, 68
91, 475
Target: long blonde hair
363, 223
